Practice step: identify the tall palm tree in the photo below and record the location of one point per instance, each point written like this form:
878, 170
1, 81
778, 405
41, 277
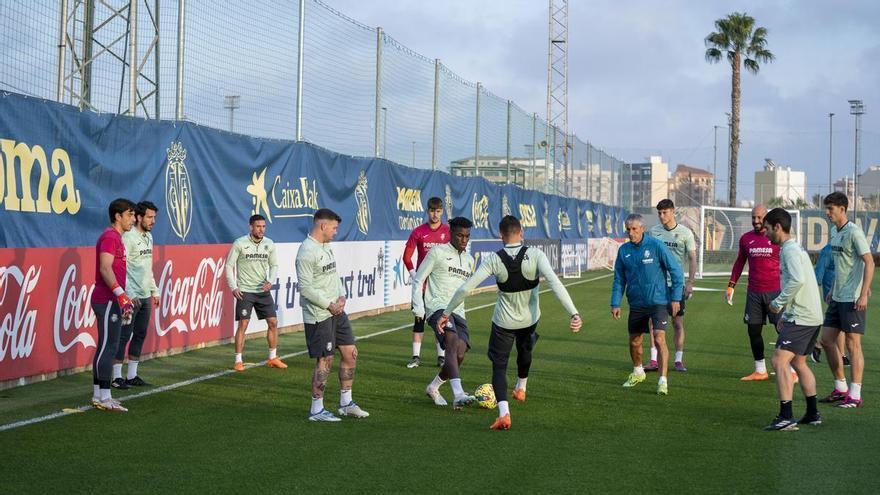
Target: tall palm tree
745, 45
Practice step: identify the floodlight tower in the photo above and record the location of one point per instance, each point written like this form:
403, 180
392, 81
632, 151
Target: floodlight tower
857, 109
557, 85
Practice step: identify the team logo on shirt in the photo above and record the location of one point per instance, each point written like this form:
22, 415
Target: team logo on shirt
648, 259
178, 191
296, 200
480, 211
363, 217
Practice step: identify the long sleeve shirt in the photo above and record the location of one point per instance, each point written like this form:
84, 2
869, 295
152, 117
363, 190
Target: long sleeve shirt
763, 258
319, 284
446, 270
251, 264
420, 242
641, 270
799, 296
141, 282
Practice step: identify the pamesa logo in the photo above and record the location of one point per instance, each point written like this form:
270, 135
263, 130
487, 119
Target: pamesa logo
178, 191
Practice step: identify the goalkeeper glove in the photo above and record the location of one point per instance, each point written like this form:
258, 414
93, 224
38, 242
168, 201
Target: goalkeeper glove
125, 304
728, 296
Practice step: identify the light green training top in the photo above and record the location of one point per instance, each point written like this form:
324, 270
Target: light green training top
446, 270
139, 280
800, 292
680, 241
251, 264
515, 310
318, 282
848, 245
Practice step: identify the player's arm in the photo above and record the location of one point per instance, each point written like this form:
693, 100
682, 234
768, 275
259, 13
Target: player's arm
305, 276
105, 268
617, 286
796, 279
273, 269
485, 270
418, 284
559, 290
691, 247
867, 278
408, 252
231, 263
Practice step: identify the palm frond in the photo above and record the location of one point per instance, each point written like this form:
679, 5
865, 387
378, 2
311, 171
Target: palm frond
751, 65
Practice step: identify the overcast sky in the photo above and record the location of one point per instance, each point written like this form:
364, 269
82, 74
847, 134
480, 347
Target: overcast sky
639, 83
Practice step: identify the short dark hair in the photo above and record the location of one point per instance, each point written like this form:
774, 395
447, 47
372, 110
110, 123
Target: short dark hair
119, 206
459, 223
435, 203
779, 216
326, 214
665, 204
256, 218
509, 225
836, 198
141, 208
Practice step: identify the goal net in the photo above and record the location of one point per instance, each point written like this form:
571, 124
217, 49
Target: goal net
718, 237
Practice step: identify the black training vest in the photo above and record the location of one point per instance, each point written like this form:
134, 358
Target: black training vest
516, 282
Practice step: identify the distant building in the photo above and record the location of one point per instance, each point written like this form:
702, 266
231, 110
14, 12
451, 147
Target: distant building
776, 183
494, 169
691, 186
650, 182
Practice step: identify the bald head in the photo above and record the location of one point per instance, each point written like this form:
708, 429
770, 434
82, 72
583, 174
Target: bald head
758, 214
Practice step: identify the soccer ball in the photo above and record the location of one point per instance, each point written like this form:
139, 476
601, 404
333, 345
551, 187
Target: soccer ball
485, 395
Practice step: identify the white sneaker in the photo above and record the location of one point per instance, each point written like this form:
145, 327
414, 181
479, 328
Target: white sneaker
352, 410
463, 401
434, 394
324, 415
110, 405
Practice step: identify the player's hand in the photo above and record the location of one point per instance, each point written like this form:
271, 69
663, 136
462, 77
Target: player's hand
237, 294
412, 274
774, 308
335, 309
828, 298
576, 323
728, 296
688, 289
779, 323
126, 306
615, 312
862, 303
156, 301
675, 306
136, 302
341, 301
266, 286
441, 324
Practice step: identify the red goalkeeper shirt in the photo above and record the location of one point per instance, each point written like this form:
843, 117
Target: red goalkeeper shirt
422, 239
763, 258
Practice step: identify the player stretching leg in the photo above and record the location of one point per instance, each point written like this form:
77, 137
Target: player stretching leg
445, 269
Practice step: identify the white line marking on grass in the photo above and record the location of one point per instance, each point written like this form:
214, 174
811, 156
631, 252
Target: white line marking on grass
211, 376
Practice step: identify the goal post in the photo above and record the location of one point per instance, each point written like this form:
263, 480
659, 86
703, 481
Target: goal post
718, 238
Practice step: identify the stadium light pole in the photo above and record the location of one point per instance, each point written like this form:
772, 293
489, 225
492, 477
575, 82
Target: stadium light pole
830, 146
231, 104
385, 132
857, 109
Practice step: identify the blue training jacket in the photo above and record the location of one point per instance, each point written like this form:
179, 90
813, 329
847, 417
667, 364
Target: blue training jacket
825, 270
641, 269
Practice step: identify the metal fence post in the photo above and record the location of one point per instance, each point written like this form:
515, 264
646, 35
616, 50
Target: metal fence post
133, 57
509, 105
62, 51
436, 113
379, 36
299, 69
477, 137
534, 151
181, 45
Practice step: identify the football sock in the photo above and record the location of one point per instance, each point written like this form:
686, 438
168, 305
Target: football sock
344, 397
417, 349
96, 391
840, 385
653, 353
521, 384
785, 409
132, 369
756, 341
662, 380
855, 391
105, 394
238, 357
503, 409
440, 351
760, 366
639, 370
455, 383
117, 370
317, 405
679, 355
436, 382
811, 405
273, 353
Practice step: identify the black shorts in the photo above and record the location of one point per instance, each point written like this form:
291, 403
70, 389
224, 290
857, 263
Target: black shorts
261, 302
799, 339
458, 327
639, 317
680, 306
323, 337
844, 316
758, 308
502, 340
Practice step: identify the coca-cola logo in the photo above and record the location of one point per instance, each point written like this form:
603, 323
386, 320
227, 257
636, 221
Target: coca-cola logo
190, 303
17, 328
73, 313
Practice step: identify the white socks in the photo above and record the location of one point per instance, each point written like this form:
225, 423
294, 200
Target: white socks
455, 383
653, 353
105, 394
639, 370
760, 366
317, 405
840, 385
521, 383
855, 391
417, 348
437, 382
117, 370
440, 351
679, 355
273, 353
132, 369
662, 380
344, 397
96, 391
503, 409
238, 357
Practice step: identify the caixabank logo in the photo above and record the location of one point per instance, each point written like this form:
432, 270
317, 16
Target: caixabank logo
283, 199
178, 191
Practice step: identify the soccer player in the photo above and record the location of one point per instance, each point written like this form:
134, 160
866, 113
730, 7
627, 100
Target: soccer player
141, 287
801, 316
825, 276
848, 301
517, 270
109, 301
680, 240
251, 266
326, 324
421, 240
642, 268
446, 268
763, 258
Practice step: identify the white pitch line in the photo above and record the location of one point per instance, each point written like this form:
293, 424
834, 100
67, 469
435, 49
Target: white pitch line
211, 376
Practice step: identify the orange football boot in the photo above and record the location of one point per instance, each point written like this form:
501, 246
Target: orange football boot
502, 423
